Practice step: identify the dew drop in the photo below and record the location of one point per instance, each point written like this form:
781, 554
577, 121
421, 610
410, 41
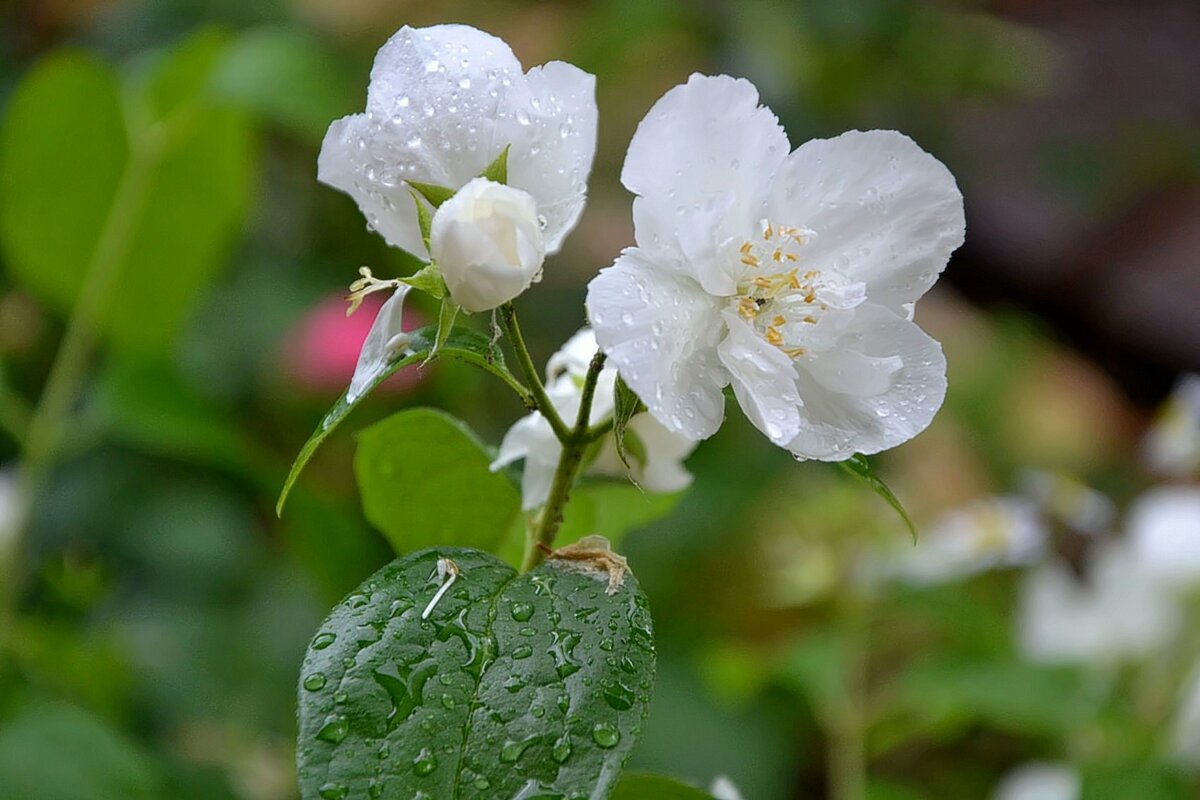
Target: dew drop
424, 763
323, 640
522, 651
334, 730
315, 682
522, 611
606, 735
562, 749
333, 791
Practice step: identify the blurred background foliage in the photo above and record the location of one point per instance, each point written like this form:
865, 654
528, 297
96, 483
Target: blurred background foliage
157, 183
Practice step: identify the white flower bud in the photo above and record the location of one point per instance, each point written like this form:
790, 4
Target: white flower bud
488, 244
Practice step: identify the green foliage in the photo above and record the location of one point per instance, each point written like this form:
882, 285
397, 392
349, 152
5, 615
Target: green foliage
436, 195
136, 208
640, 786
533, 684
611, 510
858, 466
424, 480
55, 751
463, 344
497, 171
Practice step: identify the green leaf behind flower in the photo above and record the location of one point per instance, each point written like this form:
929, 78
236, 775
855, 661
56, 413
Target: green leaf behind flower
858, 466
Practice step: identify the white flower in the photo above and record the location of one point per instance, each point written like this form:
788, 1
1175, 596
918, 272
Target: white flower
487, 242
442, 104
532, 439
1038, 780
384, 342
792, 277
1172, 445
1113, 612
1164, 531
990, 533
724, 789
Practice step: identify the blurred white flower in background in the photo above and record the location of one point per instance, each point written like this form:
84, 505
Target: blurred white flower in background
1040, 780
1172, 445
487, 242
990, 533
1114, 611
532, 439
443, 103
1068, 500
724, 789
1164, 531
790, 276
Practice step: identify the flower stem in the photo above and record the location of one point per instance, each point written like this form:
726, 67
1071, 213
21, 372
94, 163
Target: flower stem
541, 535
508, 319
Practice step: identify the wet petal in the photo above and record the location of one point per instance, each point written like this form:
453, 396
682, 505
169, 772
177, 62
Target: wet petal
885, 212
661, 332
764, 380
384, 342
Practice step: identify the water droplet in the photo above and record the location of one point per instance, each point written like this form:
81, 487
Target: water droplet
619, 697
315, 682
334, 730
432, 65
375, 789
424, 763
606, 735
522, 611
333, 791
522, 651
482, 783
562, 749
511, 751
323, 640
522, 117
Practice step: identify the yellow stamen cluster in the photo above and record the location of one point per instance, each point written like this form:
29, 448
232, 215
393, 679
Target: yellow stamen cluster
365, 285
758, 291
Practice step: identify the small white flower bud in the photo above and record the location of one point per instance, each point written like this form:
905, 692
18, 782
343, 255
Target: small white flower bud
487, 243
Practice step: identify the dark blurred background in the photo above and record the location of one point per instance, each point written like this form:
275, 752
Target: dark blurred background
159, 610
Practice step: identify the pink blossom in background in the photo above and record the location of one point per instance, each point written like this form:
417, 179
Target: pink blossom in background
322, 348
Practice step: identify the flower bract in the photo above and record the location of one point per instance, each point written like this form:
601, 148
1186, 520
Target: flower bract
790, 275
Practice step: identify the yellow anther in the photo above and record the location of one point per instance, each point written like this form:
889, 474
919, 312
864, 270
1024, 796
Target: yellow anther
763, 283
745, 248
747, 308
767, 232
777, 255
774, 337
810, 320
811, 275
793, 352
750, 261
779, 320
791, 256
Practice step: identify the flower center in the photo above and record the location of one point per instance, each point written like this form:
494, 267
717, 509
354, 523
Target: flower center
781, 297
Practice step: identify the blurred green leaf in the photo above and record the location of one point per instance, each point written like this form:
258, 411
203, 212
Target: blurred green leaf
424, 480
53, 751
858, 466
138, 206
612, 510
463, 344
1142, 780
626, 405
508, 686
289, 77
642, 786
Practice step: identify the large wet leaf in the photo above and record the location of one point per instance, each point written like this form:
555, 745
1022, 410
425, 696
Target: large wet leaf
531, 685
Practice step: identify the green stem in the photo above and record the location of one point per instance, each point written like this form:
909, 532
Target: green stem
569, 461
508, 319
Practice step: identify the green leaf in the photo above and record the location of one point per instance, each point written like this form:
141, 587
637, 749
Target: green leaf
611, 509
288, 77
1148, 779
858, 466
641, 786
463, 344
497, 171
447, 313
424, 480
139, 209
103, 765
626, 406
531, 685
436, 195
429, 280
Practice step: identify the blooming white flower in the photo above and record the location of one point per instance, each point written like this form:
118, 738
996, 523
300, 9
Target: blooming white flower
532, 439
791, 276
1164, 531
487, 242
990, 533
1114, 611
443, 103
1040, 780
384, 342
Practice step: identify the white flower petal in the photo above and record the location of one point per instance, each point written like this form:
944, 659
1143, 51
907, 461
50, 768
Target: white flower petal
384, 341
885, 212
707, 150
552, 130
442, 104
661, 332
1164, 531
531, 438
1037, 780
665, 451
764, 380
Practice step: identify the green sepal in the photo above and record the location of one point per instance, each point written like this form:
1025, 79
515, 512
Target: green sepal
429, 280
858, 466
436, 195
626, 406
497, 171
424, 218
446, 316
